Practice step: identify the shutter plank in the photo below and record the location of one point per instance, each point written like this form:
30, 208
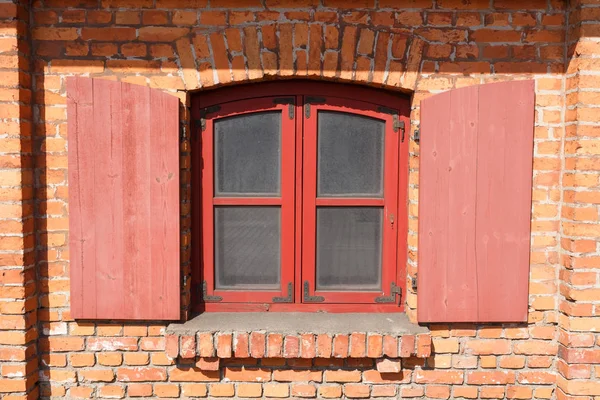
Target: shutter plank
474, 204
165, 198
116, 271
108, 210
504, 198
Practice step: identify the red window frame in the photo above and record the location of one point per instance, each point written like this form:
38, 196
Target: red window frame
298, 198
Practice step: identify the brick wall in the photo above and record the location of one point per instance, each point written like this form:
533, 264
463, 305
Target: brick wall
424, 48
578, 362
18, 296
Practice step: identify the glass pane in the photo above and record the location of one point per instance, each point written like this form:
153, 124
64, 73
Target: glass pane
248, 155
349, 248
350, 155
247, 247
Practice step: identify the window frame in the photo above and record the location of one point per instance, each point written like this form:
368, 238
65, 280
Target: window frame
258, 95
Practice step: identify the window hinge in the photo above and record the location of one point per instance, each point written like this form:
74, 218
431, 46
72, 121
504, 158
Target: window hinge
413, 283
396, 124
288, 298
395, 290
417, 136
290, 103
206, 298
204, 112
311, 299
312, 100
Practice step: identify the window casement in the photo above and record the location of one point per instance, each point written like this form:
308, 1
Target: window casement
299, 198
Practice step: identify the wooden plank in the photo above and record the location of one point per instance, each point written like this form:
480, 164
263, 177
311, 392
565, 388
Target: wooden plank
80, 129
164, 196
504, 199
124, 230
474, 202
108, 210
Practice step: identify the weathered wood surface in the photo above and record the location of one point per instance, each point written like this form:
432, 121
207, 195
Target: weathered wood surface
123, 201
475, 173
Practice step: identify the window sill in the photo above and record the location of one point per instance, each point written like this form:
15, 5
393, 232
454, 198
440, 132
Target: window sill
213, 336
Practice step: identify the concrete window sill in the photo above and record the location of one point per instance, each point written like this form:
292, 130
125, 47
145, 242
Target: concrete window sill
210, 337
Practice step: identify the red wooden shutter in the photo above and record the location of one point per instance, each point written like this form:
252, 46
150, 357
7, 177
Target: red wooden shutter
476, 157
123, 200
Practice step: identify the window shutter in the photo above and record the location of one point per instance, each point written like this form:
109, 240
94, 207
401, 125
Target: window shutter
123, 200
476, 158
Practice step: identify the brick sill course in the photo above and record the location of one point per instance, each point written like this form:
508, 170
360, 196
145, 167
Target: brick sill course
210, 337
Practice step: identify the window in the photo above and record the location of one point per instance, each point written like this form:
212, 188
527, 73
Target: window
299, 198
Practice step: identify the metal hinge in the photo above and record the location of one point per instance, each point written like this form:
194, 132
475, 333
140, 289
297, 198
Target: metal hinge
396, 124
206, 298
288, 298
290, 103
395, 290
312, 100
413, 283
311, 299
417, 137
204, 112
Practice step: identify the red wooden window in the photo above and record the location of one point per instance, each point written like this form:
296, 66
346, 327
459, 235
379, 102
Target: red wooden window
299, 195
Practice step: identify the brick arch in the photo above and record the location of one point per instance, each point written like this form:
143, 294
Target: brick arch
376, 56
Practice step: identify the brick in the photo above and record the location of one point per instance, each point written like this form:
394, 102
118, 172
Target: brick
490, 378
112, 391
340, 346
445, 377
342, 376
276, 390
386, 365
224, 342
166, 390
390, 346
194, 389
297, 375
357, 391
358, 345
221, 390
257, 344
407, 346
275, 345
383, 391
484, 347
374, 376
304, 390
208, 363
247, 374
139, 390
330, 391
206, 347
140, 374
291, 347
192, 374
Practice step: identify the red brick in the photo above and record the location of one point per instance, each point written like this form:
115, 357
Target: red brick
141, 374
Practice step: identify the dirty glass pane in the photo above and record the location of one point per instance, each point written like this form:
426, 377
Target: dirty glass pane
247, 247
248, 155
349, 247
350, 155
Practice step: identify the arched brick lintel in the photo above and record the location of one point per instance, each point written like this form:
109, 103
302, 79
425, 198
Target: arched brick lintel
375, 57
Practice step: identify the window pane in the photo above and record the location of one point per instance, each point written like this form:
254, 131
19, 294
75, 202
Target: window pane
247, 247
349, 248
350, 155
247, 154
